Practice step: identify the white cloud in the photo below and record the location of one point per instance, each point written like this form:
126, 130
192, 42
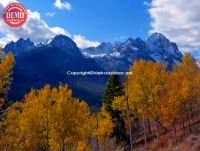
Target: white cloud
62, 5
37, 30
6, 2
179, 20
50, 14
82, 42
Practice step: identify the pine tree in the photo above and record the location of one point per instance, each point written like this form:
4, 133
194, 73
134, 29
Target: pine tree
114, 89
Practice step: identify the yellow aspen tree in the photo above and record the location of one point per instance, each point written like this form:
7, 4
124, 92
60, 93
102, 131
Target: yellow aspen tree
48, 119
33, 123
156, 82
9, 139
70, 121
169, 105
45, 97
186, 88
6, 66
103, 127
182, 94
138, 92
145, 85
190, 91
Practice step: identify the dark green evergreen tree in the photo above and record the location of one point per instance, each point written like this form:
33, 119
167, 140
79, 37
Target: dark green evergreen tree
113, 89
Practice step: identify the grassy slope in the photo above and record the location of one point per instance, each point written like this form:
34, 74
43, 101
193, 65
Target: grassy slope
190, 142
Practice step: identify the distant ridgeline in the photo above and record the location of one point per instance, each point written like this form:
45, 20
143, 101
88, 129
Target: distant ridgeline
37, 65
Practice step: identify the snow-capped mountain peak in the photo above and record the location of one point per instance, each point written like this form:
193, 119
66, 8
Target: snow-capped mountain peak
103, 49
156, 48
160, 46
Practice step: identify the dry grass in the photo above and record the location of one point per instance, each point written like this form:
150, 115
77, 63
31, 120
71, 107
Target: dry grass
188, 143
191, 142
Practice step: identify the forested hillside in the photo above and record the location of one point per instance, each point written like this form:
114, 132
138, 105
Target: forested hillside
154, 109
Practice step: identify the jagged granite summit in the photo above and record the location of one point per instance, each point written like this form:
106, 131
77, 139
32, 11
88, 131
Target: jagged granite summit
119, 58
161, 48
65, 43
19, 47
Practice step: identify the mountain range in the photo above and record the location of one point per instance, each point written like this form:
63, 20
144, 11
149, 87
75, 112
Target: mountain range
121, 55
37, 65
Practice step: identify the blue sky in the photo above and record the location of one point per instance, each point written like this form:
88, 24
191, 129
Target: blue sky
102, 20
89, 22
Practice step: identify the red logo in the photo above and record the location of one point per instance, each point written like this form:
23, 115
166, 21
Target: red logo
15, 15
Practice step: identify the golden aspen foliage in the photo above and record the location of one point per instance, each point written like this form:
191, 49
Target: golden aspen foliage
70, 121
9, 139
184, 88
120, 104
33, 123
103, 126
48, 119
169, 105
145, 87
51, 119
82, 146
6, 66
143, 90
